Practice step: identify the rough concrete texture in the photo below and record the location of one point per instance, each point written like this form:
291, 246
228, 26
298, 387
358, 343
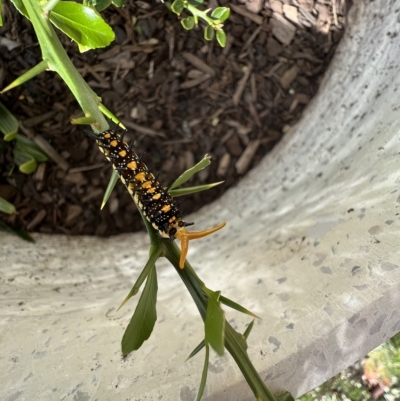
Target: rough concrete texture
312, 246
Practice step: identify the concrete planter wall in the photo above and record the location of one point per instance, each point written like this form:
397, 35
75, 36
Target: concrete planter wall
312, 246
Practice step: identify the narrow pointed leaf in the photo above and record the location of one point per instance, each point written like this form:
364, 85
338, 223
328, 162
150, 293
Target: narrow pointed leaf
248, 329
110, 115
215, 324
192, 190
9, 137
204, 374
196, 350
20, 157
110, 187
29, 149
154, 255
8, 123
26, 162
36, 70
236, 306
202, 164
15, 231
82, 24
6, 207
240, 340
144, 318
28, 167
20, 7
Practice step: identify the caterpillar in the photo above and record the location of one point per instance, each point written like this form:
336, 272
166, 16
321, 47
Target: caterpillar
155, 203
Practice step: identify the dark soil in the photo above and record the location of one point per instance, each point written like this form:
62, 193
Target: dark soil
180, 97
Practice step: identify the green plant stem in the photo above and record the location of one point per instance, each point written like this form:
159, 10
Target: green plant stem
57, 59
203, 15
194, 286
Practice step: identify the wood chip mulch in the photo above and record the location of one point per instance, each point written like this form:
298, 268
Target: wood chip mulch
180, 97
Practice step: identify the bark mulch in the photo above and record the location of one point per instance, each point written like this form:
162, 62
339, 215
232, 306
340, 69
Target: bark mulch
180, 97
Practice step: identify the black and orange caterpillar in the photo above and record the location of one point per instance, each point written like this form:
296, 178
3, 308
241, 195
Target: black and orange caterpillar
156, 204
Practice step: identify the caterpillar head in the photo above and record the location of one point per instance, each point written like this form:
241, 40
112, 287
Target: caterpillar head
178, 230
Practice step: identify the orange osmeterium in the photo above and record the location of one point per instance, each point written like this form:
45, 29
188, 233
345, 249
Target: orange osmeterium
186, 236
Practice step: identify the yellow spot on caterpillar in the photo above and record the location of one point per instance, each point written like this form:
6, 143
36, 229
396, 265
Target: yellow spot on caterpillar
172, 219
147, 184
156, 196
114, 143
151, 191
132, 165
122, 153
130, 188
140, 177
107, 136
166, 208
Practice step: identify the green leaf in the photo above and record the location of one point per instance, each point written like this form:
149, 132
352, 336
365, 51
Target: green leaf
196, 350
239, 339
27, 154
8, 123
110, 187
248, 329
286, 396
89, 120
6, 207
101, 5
191, 190
82, 24
28, 167
236, 306
204, 374
110, 115
195, 2
20, 7
221, 38
202, 164
1, 12
209, 32
119, 3
177, 6
36, 70
155, 253
16, 231
168, 5
221, 13
49, 5
144, 317
188, 23
215, 323
29, 148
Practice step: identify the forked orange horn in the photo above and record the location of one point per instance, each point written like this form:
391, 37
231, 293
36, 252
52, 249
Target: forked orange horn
186, 236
